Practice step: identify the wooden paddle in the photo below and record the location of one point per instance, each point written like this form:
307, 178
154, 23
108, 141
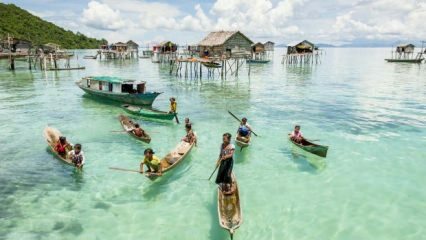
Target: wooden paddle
176, 117
217, 166
125, 170
239, 120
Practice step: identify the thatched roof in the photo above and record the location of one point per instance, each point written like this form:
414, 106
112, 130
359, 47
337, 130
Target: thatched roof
219, 38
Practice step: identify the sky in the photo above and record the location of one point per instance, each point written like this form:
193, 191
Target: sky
282, 21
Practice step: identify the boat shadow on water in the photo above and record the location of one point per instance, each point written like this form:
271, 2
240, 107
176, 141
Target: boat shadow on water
305, 161
160, 185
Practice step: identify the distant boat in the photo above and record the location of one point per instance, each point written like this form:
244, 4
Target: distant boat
118, 89
405, 60
211, 64
257, 61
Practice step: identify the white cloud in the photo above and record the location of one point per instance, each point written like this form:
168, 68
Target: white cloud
102, 16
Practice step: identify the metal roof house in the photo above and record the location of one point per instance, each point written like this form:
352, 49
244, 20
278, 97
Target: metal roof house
269, 46
224, 43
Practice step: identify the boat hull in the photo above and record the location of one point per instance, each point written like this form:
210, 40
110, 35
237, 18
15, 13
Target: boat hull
257, 61
313, 148
405, 60
145, 99
148, 113
128, 126
172, 159
51, 136
229, 209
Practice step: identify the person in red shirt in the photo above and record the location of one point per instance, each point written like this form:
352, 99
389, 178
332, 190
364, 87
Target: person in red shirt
61, 146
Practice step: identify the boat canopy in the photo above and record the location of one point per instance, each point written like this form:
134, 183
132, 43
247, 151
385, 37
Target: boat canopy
110, 79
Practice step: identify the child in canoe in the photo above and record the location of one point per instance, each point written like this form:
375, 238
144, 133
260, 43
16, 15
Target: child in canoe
152, 162
296, 135
62, 146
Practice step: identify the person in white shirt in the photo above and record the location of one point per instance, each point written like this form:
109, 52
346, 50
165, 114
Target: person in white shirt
77, 156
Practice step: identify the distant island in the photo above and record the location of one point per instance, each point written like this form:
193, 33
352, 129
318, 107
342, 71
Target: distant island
21, 24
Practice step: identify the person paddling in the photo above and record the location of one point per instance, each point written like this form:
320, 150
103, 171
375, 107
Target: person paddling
77, 156
226, 162
138, 131
296, 135
152, 162
244, 131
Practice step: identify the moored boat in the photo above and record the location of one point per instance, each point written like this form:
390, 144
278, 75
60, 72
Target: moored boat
148, 113
313, 148
173, 158
52, 137
129, 125
211, 64
229, 209
118, 89
257, 61
405, 60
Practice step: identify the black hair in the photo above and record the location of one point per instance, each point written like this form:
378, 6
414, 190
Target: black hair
137, 125
148, 150
188, 126
297, 126
244, 119
77, 146
227, 135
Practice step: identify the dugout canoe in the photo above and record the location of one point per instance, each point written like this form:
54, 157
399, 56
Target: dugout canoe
319, 150
229, 209
52, 137
148, 113
173, 158
128, 125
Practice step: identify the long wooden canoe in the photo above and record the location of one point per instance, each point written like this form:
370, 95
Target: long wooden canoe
229, 209
148, 113
311, 147
129, 125
52, 137
173, 158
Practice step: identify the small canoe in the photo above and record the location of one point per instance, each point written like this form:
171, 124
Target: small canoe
211, 64
313, 148
52, 137
129, 125
257, 61
242, 144
148, 113
229, 209
173, 158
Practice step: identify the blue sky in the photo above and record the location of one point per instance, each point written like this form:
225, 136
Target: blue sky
282, 21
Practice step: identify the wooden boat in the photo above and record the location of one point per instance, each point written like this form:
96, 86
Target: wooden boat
129, 125
313, 148
419, 60
90, 57
229, 209
257, 61
52, 137
173, 158
211, 64
148, 113
118, 89
242, 144
66, 69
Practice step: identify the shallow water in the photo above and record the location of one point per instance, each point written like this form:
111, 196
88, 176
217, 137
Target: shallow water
371, 113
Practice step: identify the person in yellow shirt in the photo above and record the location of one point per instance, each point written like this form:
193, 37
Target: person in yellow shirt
152, 162
173, 105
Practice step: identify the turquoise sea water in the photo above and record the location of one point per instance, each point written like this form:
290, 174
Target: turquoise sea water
371, 113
